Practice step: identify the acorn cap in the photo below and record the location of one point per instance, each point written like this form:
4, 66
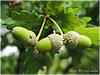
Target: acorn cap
56, 41
32, 40
71, 39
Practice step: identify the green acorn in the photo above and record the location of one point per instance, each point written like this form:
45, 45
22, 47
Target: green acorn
25, 36
74, 40
52, 42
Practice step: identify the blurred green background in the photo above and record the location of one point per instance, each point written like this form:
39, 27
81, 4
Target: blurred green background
62, 62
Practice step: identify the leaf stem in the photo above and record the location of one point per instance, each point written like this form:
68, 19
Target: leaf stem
57, 26
47, 69
41, 29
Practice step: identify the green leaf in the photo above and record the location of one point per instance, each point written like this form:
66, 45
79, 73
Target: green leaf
76, 55
54, 7
29, 50
86, 19
13, 23
74, 11
44, 3
4, 13
26, 16
31, 21
44, 59
90, 25
46, 32
92, 33
53, 53
31, 65
70, 22
21, 66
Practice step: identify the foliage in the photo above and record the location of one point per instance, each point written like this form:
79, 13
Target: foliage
9, 64
30, 14
91, 32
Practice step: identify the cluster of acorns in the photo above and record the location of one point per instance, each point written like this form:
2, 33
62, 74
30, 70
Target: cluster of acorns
71, 39
51, 43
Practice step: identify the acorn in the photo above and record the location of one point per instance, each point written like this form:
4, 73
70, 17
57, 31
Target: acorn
52, 42
25, 36
74, 40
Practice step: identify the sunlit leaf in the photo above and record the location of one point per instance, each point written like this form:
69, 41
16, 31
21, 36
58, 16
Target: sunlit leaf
74, 11
69, 22
92, 33
86, 19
